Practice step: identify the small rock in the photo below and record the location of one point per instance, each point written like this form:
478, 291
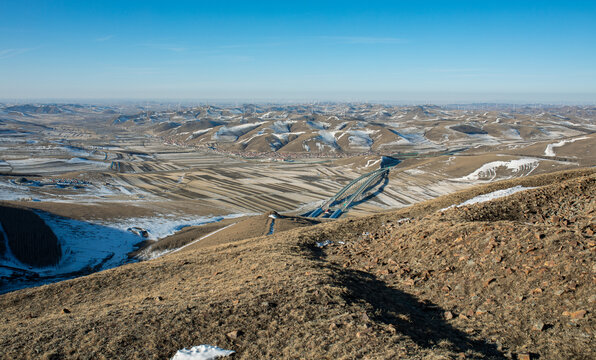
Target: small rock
268, 304
233, 335
489, 281
158, 298
448, 315
65, 311
578, 314
523, 356
555, 219
539, 236
538, 326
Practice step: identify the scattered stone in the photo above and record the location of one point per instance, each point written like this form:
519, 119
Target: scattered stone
523, 356
233, 335
578, 314
158, 298
268, 304
538, 326
65, 311
489, 281
480, 312
448, 315
361, 334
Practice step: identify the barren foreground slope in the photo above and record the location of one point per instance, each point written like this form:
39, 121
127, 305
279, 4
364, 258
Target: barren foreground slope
499, 279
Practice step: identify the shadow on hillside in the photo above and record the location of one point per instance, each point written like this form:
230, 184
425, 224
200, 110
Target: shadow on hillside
423, 322
85, 248
420, 321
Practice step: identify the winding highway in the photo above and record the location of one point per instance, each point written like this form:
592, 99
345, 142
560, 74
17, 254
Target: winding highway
349, 194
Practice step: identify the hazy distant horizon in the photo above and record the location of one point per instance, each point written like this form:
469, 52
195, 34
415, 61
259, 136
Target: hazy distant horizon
420, 99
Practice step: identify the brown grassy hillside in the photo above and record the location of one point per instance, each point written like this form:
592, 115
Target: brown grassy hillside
513, 278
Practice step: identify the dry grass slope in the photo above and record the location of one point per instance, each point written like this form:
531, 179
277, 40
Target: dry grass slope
494, 280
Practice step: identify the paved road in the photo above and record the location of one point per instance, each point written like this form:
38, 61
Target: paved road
349, 194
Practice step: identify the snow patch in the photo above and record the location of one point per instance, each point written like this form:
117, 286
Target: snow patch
232, 133
318, 125
361, 138
372, 163
490, 169
491, 196
414, 172
549, 151
322, 244
281, 127
328, 138
202, 352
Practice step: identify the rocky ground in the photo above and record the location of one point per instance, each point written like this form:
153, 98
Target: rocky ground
510, 278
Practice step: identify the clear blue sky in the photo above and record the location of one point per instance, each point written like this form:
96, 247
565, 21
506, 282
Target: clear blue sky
432, 51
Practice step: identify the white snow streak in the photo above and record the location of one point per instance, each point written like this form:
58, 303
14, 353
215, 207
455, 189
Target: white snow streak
202, 352
490, 169
549, 151
491, 196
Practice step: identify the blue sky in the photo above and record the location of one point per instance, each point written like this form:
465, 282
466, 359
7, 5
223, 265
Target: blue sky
422, 51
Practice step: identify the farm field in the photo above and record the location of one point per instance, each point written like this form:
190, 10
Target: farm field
136, 176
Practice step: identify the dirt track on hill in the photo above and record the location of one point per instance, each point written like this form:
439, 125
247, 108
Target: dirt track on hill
503, 279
